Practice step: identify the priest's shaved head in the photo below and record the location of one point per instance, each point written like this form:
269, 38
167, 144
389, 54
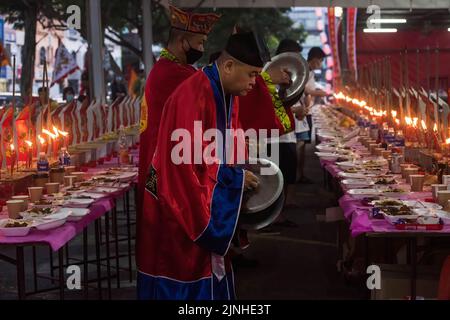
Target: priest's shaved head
238, 78
241, 62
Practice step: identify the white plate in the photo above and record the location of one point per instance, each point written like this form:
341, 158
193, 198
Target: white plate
357, 183
32, 215
127, 176
362, 193
75, 214
92, 195
325, 148
78, 203
47, 225
422, 204
346, 165
444, 215
393, 194
393, 219
105, 190
351, 175
327, 156
13, 232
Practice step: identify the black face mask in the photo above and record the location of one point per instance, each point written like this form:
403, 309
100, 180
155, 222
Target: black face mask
193, 55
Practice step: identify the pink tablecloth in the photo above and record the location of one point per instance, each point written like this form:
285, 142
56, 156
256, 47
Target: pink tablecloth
58, 237
359, 216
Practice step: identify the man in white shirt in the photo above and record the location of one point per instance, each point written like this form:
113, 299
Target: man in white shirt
303, 127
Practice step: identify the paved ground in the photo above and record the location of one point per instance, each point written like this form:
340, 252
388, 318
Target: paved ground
294, 263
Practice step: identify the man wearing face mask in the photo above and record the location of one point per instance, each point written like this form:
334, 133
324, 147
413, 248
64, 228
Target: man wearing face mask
188, 34
68, 94
191, 208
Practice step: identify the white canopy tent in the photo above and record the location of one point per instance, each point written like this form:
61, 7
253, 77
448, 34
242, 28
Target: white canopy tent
404, 4
95, 21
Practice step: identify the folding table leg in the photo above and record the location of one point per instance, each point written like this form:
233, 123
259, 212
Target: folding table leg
61, 273
127, 210
116, 244
20, 265
97, 256
108, 262
85, 264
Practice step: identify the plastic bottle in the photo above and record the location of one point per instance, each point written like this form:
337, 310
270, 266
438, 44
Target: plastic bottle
64, 158
123, 147
42, 163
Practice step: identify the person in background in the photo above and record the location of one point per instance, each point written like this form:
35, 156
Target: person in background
85, 89
315, 61
118, 88
68, 94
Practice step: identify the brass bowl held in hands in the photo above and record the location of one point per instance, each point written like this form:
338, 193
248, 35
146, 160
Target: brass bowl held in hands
298, 69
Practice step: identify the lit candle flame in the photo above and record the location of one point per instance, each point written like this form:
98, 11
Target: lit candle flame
415, 120
63, 133
51, 135
408, 121
55, 130
394, 114
424, 125
29, 143
362, 103
447, 141
11, 146
397, 121
435, 128
41, 140
340, 95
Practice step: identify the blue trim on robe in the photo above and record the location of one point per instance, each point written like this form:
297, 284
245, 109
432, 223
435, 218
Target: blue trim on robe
225, 206
158, 288
226, 199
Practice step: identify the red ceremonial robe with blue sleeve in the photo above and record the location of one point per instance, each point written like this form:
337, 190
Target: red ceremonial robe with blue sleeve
190, 211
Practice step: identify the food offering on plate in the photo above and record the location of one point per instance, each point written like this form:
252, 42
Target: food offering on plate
393, 192
387, 203
398, 210
385, 181
75, 189
87, 184
15, 227
38, 212
352, 170
43, 203
17, 223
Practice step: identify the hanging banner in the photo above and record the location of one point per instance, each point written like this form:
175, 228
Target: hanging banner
333, 32
351, 41
65, 64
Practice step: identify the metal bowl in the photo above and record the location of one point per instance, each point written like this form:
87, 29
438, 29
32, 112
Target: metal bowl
298, 68
262, 206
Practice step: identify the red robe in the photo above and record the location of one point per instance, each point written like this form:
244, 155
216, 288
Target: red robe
257, 110
190, 211
165, 77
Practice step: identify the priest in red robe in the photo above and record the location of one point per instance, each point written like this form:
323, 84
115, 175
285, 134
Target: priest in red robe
193, 195
188, 34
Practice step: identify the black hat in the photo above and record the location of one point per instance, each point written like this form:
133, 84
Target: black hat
248, 48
